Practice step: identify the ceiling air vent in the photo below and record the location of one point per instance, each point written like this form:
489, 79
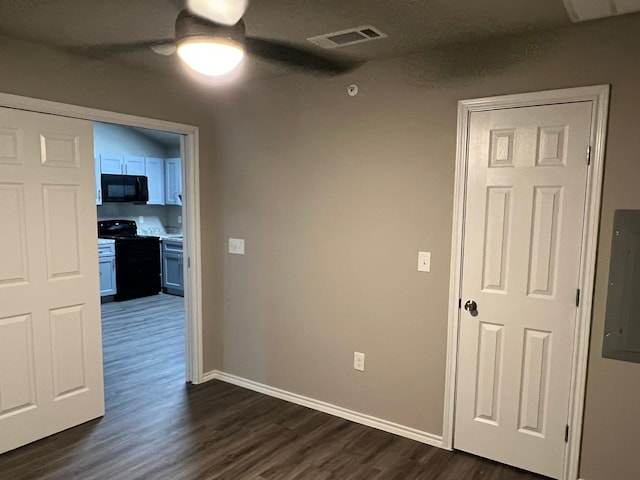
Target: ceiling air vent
581, 10
343, 38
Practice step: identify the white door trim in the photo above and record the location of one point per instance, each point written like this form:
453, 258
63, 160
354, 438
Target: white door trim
191, 204
599, 95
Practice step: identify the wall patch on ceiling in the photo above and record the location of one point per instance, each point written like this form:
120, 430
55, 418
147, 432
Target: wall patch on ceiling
365, 33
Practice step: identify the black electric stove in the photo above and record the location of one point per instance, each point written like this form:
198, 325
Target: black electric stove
137, 259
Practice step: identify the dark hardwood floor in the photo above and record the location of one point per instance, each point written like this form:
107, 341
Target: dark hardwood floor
157, 427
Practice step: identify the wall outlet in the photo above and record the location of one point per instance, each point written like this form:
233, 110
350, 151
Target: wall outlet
424, 261
140, 219
179, 219
358, 361
236, 246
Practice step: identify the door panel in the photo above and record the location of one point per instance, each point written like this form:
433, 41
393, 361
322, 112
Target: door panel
68, 348
489, 369
535, 377
61, 230
14, 268
544, 245
17, 383
524, 210
496, 241
50, 337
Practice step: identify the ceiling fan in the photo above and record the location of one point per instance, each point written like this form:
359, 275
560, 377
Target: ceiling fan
210, 38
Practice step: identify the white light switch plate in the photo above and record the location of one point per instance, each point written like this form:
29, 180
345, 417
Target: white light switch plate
236, 246
358, 361
424, 261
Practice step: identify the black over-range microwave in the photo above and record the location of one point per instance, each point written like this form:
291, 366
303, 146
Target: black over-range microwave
125, 188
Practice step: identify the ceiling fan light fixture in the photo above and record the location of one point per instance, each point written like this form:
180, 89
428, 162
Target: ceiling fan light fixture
211, 56
225, 12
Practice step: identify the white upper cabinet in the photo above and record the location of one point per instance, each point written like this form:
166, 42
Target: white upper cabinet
122, 164
111, 164
155, 174
134, 165
164, 176
173, 181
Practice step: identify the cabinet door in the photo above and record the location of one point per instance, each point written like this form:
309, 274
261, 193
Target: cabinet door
107, 276
98, 183
111, 164
134, 165
173, 181
155, 174
172, 272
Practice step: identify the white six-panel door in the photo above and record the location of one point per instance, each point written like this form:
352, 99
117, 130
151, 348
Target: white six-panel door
524, 210
50, 335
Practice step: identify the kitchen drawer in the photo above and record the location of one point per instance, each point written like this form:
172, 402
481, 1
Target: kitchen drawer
106, 249
172, 246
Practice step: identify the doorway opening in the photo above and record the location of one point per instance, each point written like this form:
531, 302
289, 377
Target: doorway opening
141, 254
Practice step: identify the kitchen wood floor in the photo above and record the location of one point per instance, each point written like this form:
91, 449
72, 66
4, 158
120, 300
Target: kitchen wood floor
157, 427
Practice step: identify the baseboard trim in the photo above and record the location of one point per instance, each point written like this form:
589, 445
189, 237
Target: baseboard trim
212, 375
368, 420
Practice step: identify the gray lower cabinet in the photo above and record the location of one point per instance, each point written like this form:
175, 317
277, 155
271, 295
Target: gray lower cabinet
172, 268
107, 259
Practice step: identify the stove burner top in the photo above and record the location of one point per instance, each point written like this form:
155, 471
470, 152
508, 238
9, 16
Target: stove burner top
130, 237
120, 229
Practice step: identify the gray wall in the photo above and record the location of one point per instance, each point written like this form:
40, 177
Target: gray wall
335, 195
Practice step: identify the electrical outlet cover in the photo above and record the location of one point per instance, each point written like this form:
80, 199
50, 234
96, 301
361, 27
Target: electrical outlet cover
236, 246
424, 261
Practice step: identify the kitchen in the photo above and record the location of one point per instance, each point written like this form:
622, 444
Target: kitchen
140, 243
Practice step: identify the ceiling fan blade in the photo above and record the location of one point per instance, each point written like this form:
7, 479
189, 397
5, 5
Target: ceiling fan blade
163, 47
299, 57
224, 12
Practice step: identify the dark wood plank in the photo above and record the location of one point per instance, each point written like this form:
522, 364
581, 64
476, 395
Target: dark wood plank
158, 427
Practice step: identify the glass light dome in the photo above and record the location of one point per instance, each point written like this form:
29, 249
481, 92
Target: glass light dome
212, 57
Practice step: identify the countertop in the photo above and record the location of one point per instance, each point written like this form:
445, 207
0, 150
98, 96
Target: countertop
176, 237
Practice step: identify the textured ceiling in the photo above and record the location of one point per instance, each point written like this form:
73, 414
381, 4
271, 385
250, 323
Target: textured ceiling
411, 25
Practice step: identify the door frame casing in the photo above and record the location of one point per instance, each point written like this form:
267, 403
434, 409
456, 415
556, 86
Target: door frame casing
191, 204
599, 95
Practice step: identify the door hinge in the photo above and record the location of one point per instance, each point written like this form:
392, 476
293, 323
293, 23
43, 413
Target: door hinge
589, 155
577, 297
566, 434
459, 303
